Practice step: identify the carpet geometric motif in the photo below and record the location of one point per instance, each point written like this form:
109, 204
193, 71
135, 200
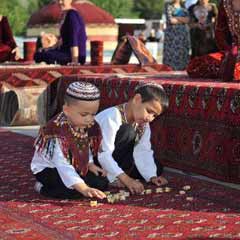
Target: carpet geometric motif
37, 75
199, 132
214, 212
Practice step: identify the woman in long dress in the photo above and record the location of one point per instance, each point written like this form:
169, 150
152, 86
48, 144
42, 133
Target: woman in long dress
202, 22
71, 47
177, 39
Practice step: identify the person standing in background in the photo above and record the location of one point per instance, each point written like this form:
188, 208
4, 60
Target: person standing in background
176, 38
160, 33
203, 16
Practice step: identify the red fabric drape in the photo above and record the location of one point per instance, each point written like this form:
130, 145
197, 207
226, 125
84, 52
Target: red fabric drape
7, 42
209, 66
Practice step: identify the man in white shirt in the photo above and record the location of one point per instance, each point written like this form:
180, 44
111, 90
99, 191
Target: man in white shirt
125, 151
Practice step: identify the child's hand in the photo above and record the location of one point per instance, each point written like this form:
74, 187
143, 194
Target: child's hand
93, 192
96, 170
133, 185
159, 181
88, 191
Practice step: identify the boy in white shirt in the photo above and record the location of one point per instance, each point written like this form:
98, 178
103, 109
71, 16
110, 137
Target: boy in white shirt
64, 150
125, 151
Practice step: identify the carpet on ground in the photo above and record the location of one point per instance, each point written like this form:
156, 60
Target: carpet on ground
206, 211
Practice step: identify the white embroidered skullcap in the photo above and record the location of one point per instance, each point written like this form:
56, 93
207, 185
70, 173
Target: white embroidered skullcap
83, 91
149, 84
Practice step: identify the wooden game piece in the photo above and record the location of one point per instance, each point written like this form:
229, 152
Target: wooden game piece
159, 190
189, 198
122, 198
187, 187
116, 197
182, 192
110, 199
93, 203
167, 189
107, 193
148, 191
126, 194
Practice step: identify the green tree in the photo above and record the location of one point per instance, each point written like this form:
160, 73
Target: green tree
17, 15
43, 2
215, 1
149, 9
118, 8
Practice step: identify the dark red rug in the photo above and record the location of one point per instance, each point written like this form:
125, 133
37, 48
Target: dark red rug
199, 132
213, 213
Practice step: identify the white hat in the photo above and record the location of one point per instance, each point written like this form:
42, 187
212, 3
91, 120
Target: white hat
83, 91
189, 3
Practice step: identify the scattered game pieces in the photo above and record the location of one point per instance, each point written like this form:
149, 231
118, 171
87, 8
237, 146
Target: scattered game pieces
93, 203
122, 194
148, 191
182, 192
159, 190
107, 193
126, 194
122, 198
187, 187
110, 200
167, 189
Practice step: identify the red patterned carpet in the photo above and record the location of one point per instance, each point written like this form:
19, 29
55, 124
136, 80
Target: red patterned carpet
214, 212
199, 132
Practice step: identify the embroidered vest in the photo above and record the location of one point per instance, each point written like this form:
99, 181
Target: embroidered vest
74, 144
138, 128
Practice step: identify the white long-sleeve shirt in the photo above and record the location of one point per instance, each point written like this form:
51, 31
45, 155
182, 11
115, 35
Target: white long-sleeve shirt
110, 121
66, 171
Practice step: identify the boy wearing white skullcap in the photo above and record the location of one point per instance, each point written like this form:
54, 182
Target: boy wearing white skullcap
64, 150
125, 151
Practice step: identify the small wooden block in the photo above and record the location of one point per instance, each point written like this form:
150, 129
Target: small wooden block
148, 191
107, 193
187, 187
116, 197
189, 198
122, 198
110, 200
182, 192
126, 194
159, 190
167, 189
93, 203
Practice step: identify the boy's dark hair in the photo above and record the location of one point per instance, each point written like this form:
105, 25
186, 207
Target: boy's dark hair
69, 100
153, 91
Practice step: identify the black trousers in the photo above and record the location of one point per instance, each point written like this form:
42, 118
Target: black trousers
54, 187
123, 153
